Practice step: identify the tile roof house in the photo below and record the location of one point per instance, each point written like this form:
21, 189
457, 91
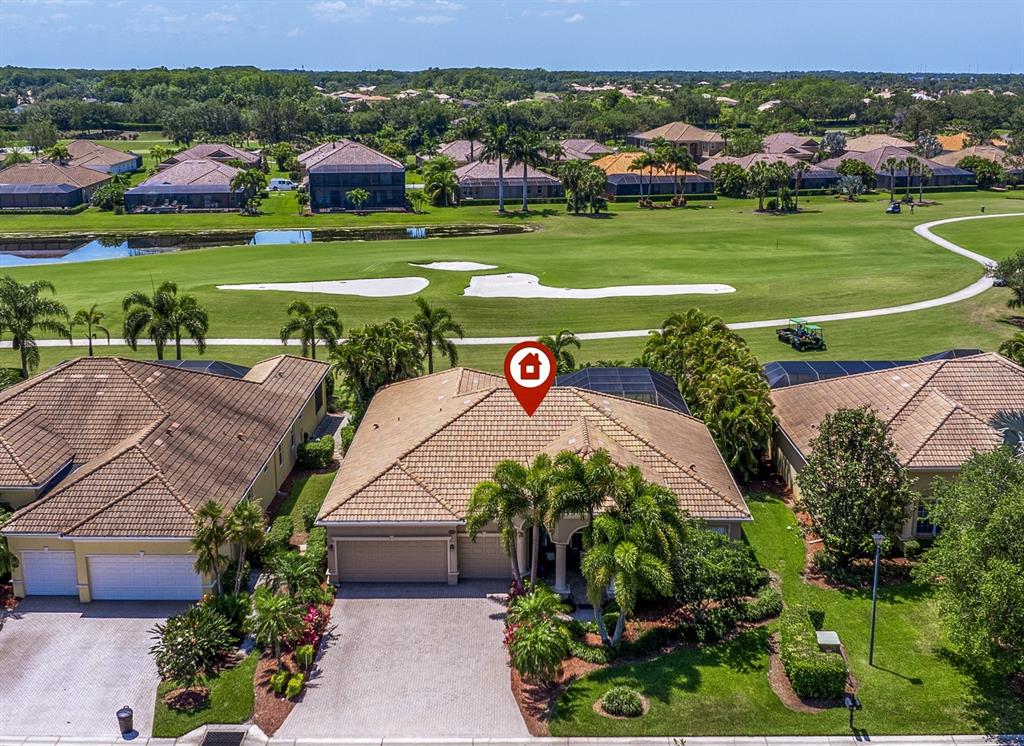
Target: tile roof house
815, 177
792, 144
397, 508
1012, 165
958, 141
197, 184
701, 143
47, 185
582, 149
864, 143
941, 175
111, 458
461, 151
213, 151
479, 180
939, 414
333, 169
91, 154
623, 182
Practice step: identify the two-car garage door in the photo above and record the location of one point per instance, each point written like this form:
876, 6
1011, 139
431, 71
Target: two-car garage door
151, 577
392, 561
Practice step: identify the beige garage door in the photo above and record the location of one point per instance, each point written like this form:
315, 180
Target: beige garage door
421, 561
483, 558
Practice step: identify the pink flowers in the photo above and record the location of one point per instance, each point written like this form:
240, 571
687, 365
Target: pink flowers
313, 625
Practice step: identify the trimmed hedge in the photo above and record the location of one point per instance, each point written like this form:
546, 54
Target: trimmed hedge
278, 536
812, 673
316, 454
767, 604
627, 198
316, 546
45, 210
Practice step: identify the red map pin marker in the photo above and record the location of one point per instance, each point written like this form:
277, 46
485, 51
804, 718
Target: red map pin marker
530, 370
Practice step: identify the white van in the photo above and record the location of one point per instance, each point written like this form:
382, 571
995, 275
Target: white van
281, 185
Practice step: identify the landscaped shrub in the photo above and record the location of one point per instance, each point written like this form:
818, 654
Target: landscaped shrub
278, 536
347, 433
767, 604
233, 608
589, 653
316, 546
295, 684
911, 548
623, 702
314, 623
304, 656
227, 577
817, 617
316, 454
278, 681
309, 512
189, 645
811, 672
537, 650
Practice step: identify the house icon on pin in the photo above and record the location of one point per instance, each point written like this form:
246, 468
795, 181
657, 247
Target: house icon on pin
529, 367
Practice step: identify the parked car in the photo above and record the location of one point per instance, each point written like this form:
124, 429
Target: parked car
281, 185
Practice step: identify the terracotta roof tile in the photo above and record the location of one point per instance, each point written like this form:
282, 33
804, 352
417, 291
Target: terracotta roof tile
681, 132
43, 172
31, 450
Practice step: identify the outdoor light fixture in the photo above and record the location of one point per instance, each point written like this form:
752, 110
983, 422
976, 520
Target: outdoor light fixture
852, 704
878, 537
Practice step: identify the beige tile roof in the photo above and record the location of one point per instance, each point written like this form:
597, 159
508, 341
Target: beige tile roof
425, 443
346, 153
786, 142
43, 172
938, 412
865, 143
746, 161
150, 443
31, 451
488, 171
988, 152
217, 151
193, 171
458, 150
87, 153
680, 132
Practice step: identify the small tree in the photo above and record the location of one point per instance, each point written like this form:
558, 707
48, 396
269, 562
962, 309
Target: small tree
853, 167
188, 645
312, 325
710, 569
210, 535
987, 174
853, 484
23, 310
274, 619
358, 197
730, 179
850, 186
1010, 272
92, 319
302, 200
833, 144
245, 527
977, 561
1013, 348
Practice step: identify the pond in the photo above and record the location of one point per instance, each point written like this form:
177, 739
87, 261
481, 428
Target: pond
17, 252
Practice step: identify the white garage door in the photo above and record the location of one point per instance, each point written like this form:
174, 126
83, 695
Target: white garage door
49, 573
152, 577
417, 561
483, 558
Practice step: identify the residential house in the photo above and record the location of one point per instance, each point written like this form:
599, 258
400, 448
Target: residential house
28, 186
479, 180
397, 508
941, 175
701, 143
623, 182
107, 460
801, 147
582, 149
198, 184
939, 414
213, 151
90, 154
959, 140
333, 169
866, 143
461, 151
814, 177
1014, 166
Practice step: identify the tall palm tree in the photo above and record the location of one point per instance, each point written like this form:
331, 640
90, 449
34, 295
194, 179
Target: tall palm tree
58, 153
92, 319
559, 345
799, 169
891, 166
274, 619
210, 534
913, 166
312, 325
924, 174
528, 149
496, 146
471, 129
632, 548
163, 317
640, 163
581, 486
435, 326
678, 158
501, 500
245, 527
781, 173
760, 179
23, 312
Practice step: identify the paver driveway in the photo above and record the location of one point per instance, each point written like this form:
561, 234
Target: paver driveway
411, 660
67, 667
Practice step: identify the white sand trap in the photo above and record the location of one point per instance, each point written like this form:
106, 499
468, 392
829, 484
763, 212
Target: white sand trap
517, 285
381, 288
456, 266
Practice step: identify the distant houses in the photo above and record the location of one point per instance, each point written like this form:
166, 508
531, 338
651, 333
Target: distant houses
45, 185
624, 182
92, 155
801, 147
198, 185
1014, 167
701, 143
868, 143
582, 149
213, 151
479, 180
461, 151
814, 177
942, 175
334, 169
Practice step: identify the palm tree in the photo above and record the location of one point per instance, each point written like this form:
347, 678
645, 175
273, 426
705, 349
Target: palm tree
528, 149
91, 319
799, 169
209, 536
312, 324
245, 527
913, 168
760, 179
924, 174
435, 326
470, 129
891, 166
501, 500
679, 159
8, 559
559, 346
580, 487
1011, 424
302, 201
159, 154
165, 316
781, 173
358, 197
632, 548
23, 311
274, 619
439, 181
252, 181
58, 153
293, 571
639, 163
378, 355
496, 147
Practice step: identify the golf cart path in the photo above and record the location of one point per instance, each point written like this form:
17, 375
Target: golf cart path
923, 230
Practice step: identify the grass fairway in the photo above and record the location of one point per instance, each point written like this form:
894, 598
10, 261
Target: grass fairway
997, 239
916, 685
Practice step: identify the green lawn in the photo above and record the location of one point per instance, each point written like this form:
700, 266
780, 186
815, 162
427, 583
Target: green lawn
915, 687
996, 239
231, 701
308, 489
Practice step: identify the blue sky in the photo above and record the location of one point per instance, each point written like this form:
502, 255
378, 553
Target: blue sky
891, 35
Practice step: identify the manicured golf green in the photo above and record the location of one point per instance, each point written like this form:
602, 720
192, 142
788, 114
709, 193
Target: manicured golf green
997, 239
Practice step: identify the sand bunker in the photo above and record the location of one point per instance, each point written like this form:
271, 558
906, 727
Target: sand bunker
517, 285
456, 266
380, 288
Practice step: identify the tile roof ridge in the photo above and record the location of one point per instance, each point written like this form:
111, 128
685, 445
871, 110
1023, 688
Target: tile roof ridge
918, 364
929, 379
120, 363
672, 460
9, 393
163, 478
114, 501
931, 433
409, 473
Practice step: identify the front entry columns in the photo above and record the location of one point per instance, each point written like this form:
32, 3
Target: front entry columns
561, 586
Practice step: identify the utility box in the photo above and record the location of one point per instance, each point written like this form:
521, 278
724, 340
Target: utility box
828, 641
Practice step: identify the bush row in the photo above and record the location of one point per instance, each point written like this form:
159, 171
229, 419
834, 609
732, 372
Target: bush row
627, 198
316, 546
45, 210
278, 537
316, 454
811, 672
767, 604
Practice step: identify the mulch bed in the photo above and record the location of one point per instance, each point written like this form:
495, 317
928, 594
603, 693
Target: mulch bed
599, 709
537, 701
784, 690
186, 700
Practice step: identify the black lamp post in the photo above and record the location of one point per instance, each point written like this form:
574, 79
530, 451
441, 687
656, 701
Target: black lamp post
878, 537
852, 704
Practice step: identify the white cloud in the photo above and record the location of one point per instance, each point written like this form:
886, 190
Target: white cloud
331, 10
430, 20
391, 4
295, 32
574, 18
59, 16
219, 17
448, 4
